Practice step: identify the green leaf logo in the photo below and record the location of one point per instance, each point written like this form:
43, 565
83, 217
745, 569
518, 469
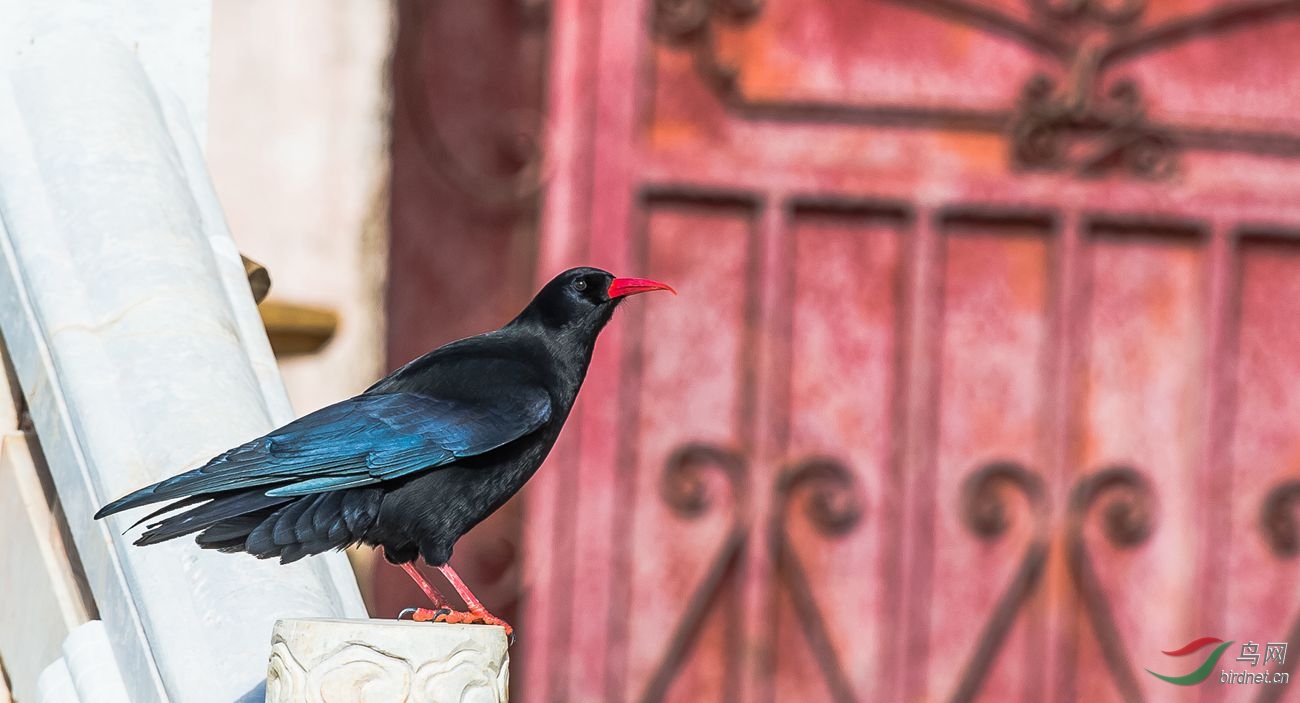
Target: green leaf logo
1202, 672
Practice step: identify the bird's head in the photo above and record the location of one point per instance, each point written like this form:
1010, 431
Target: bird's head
583, 299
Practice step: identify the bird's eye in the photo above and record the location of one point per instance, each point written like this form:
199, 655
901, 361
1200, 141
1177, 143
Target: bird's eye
580, 285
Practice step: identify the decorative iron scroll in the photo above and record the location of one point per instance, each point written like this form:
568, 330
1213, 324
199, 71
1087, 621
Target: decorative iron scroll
1279, 527
684, 488
1077, 122
683, 20
1119, 12
1128, 520
688, 23
830, 500
1277, 519
1051, 119
832, 505
985, 511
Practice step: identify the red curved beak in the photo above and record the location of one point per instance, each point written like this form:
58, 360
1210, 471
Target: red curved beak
620, 287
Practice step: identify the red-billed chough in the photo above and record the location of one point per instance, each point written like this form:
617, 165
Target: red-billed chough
412, 463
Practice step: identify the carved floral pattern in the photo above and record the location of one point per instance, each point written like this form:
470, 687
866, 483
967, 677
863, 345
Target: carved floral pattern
358, 672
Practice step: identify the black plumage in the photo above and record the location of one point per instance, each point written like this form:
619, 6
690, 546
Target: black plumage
416, 460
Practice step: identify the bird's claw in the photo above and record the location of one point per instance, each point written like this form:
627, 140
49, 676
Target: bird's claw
423, 614
456, 617
474, 618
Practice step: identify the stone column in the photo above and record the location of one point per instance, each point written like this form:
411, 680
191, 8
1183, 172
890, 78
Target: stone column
391, 661
135, 340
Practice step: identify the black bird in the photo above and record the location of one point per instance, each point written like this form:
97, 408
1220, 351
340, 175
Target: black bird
412, 463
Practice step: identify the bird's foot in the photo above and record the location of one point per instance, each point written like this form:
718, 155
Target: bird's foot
473, 617
456, 617
421, 614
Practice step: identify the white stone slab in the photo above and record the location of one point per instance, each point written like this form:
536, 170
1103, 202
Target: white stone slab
387, 661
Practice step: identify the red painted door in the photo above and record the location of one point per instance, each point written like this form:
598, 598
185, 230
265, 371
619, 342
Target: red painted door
981, 380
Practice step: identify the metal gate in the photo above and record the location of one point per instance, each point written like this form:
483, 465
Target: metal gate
980, 382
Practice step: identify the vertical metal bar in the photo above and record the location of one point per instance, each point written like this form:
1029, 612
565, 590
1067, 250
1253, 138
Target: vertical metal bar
1066, 339
768, 436
1214, 475
921, 313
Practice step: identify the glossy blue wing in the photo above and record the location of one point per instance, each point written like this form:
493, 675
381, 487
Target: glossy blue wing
360, 441
404, 433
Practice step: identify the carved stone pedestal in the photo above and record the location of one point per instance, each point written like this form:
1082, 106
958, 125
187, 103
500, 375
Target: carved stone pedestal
387, 661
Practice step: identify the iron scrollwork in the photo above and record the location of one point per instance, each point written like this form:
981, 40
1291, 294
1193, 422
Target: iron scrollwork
1051, 118
1128, 518
833, 506
1277, 519
684, 488
687, 23
686, 19
1128, 512
1076, 122
1118, 12
684, 485
1281, 532
825, 490
986, 512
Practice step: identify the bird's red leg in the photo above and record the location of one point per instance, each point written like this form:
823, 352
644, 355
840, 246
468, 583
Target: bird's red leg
477, 613
454, 578
438, 600
440, 604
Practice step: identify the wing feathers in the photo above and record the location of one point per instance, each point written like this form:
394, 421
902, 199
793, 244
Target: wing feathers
358, 442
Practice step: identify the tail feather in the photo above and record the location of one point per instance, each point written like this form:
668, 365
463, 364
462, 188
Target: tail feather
288, 527
218, 509
231, 530
170, 507
284, 532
